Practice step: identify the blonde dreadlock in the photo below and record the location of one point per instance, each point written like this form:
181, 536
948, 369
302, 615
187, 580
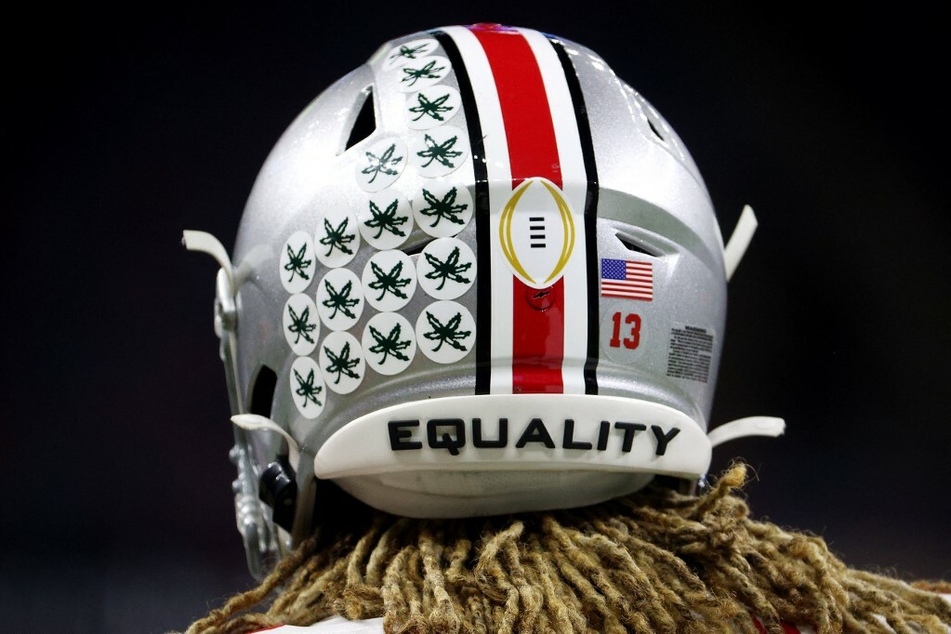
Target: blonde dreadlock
656, 561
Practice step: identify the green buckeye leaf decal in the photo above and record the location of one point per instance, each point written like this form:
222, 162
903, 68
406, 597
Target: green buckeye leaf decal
448, 333
433, 109
441, 152
340, 301
337, 237
450, 269
448, 330
414, 73
389, 344
389, 280
444, 208
341, 363
301, 327
386, 219
297, 262
306, 388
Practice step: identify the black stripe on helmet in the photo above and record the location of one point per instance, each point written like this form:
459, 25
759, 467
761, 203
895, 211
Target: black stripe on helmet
483, 316
590, 217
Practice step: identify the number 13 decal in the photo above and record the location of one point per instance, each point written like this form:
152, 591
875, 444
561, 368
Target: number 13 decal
632, 330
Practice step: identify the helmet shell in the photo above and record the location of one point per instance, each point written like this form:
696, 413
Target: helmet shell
481, 235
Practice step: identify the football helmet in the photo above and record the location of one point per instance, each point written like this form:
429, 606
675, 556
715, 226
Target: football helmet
479, 274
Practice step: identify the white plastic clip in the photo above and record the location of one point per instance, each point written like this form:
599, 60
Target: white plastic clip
204, 242
739, 241
256, 422
749, 426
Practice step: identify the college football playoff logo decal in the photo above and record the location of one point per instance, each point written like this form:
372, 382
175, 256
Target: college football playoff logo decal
537, 232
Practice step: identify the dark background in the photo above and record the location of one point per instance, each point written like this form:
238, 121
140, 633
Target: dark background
122, 129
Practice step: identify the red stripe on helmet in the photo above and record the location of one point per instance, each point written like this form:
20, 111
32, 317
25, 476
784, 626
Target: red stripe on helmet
538, 315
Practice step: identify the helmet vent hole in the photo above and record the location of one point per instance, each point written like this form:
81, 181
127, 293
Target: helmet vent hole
655, 130
262, 393
365, 123
632, 244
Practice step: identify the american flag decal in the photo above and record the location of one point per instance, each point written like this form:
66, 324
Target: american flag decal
628, 279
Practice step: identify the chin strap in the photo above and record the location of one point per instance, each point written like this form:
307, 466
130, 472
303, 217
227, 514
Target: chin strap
260, 543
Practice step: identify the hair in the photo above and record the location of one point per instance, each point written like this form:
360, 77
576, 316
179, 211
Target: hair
654, 561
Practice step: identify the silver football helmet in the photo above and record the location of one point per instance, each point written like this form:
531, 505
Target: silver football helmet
480, 274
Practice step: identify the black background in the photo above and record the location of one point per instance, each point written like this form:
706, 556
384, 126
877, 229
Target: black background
122, 129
